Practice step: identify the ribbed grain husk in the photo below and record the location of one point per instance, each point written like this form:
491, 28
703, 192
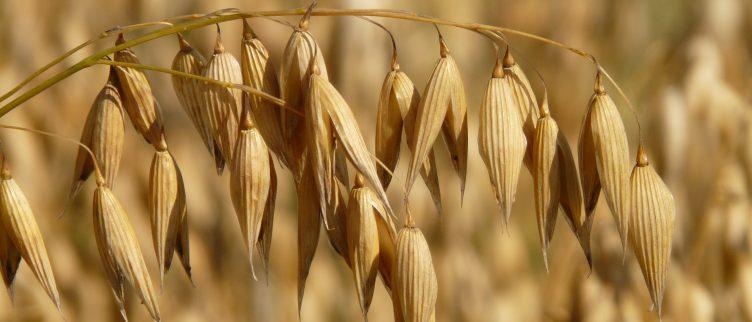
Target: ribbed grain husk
388, 260
524, 97
264, 243
546, 180
120, 252
138, 100
103, 133
363, 242
320, 142
570, 198
222, 105
167, 206
454, 127
190, 93
250, 183
415, 278
309, 226
440, 93
391, 108
301, 53
182, 245
347, 132
609, 150
259, 73
337, 232
10, 260
23, 232
403, 87
501, 141
653, 215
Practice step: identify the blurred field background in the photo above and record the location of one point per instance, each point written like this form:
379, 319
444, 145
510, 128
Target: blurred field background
686, 66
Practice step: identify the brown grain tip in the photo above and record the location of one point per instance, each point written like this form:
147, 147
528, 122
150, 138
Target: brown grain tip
5, 172
218, 47
161, 145
599, 89
498, 71
443, 49
543, 106
248, 33
184, 45
508, 59
315, 70
642, 157
120, 39
360, 182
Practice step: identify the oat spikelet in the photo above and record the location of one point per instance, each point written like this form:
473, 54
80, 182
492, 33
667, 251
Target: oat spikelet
300, 54
103, 133
166, 206
264, 243
454, 127
309, 226
182, 245
415, 278
501, 140
363, 242
23, 232
10, 260
259, 73
392, 106
190, 94
388, 260
524, 97
138, 99
653, 215
611, 154
320, 143
120, 252
222, 105
347, 132
250, 183
546, 178
570, 198
337, 232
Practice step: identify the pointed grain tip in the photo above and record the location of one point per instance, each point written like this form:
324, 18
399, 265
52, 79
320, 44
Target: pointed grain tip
120, 39
508, 59
184, 45
599, 89
642, 157
248, 33
218, 47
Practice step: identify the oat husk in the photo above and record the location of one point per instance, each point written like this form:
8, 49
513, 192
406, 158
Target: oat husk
363, 242
309, 227
546, 178
415, 278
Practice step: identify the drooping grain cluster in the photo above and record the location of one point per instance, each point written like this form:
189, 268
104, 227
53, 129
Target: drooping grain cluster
315, 135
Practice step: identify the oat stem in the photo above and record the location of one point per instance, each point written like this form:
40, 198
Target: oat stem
197, 21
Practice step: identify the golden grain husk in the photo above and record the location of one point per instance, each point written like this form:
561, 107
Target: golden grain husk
501, 141
295, 71
388, 260
264, 242
591, 183
138, 100
363, 242
428, 170
389, 112
167, 206
10, 260
23, 232
103, 133
337, 232
182, 245
250, 183
190, 94
415, 278
522, 93
454, 127
347, 132
611, 154
570, 198
546, 179
652, 226
309, 226
320, 143
120, 252
259, 73
222, 105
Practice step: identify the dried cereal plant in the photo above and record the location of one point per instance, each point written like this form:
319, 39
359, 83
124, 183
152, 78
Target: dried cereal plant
264, 243
190, 94
21, 229
546, 177
120, 251
501, 140
167, 206
222, 105
391, 108
653, 215
523, 96
604, 153
259, 73
138, 99
250, 182
363, 241
309, 227
415, 278
103, 133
